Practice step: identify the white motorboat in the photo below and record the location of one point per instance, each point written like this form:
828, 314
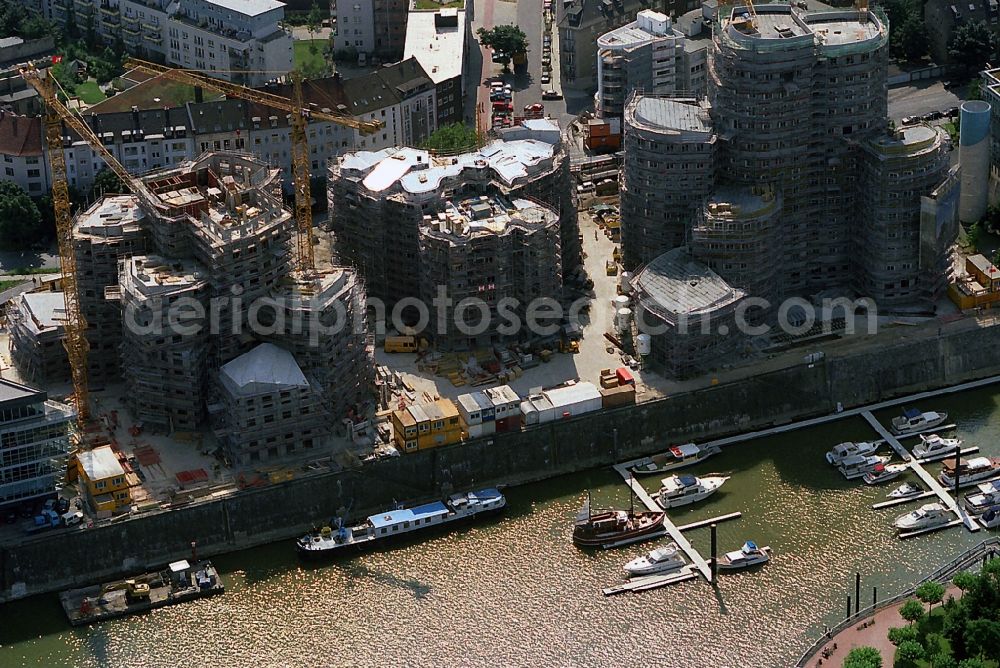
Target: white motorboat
882, 473
925, 517
681, 490
746, 556
934, 446
969, 471
987, 496
677, 457
660, 560
842, 451
913, 420
905, 491
858, 465
991, 518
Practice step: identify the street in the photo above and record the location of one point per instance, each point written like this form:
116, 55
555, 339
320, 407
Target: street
919, 98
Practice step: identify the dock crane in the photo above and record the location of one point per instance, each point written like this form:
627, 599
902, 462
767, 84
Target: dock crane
300, 114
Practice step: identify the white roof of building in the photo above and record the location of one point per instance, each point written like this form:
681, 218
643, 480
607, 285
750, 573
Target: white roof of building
100, 463
262, 370
667, 114
677, 283
502, 394
247, 7
438, 49
572, 394
47, 308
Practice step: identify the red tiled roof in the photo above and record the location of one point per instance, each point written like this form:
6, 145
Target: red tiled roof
20, 135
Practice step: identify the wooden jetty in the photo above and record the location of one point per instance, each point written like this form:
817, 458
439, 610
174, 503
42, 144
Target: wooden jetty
929, 480
647, 582
711, 520
898, 502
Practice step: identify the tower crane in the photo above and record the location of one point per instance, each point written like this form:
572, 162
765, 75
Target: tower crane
300, 115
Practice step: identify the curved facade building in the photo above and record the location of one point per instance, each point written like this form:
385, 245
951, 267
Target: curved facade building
666, 140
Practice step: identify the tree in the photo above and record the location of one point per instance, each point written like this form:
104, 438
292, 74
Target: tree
911, 611
20, 220
912, 41
314, 19
506, 41
453, 137
966, 580
899, 634
983, 638
863, 657
107, 183
972, 45
941, 660
930, 593
973, 663
908, 653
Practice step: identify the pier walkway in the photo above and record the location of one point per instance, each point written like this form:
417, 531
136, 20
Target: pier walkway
947, 499
675, 534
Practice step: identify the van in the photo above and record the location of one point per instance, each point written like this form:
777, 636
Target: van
72, 519
400, 344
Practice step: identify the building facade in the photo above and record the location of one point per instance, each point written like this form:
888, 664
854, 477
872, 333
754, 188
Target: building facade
34, 443
438, 40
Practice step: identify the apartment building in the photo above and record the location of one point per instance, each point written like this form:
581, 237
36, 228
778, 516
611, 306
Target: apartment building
34, 443
238, 40
438, 40
22, 153
353, 24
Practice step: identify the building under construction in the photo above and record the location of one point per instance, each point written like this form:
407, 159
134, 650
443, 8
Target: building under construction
381, 201
35, 320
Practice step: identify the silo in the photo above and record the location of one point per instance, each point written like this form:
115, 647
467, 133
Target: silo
974, 156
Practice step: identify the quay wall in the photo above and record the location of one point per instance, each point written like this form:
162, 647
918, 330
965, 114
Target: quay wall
68, 558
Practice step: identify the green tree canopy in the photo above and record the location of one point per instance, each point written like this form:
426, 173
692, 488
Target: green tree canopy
900, 634
454, 137
983, 638
972, 45
930, 593
908, 653
863, 657
505, 40
911, 611
314, 19
107, 183
20, 220
966, 580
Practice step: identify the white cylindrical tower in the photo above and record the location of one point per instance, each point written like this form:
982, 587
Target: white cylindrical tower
974, 156
644, 344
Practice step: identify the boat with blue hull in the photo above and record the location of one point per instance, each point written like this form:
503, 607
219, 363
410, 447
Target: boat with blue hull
377, 529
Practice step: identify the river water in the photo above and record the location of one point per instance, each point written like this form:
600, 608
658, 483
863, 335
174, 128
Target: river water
513, 591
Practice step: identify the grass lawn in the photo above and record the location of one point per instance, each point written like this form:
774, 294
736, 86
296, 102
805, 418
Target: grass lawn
89, 92
24, 271
304, 57
7, 285
431, 4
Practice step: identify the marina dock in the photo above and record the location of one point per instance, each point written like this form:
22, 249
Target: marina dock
898, 502
930, 481
648, 582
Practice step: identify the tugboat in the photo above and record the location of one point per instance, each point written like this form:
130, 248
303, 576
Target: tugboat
613, 528
969, 471
842, 451
913, 420
660, 560
378, 528
678, 457
745, 557
935, 446
926, 516
681, 490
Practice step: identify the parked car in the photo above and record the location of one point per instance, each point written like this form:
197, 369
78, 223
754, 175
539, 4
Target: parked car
546, 78
551, 95
953, 111
909, 120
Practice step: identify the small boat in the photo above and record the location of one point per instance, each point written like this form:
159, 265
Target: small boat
969, 471
858, 465
612, 528
926, 516
882, 473
681, 490
842, 451
746, 556
934, 445
991, 518
913, 420
905, 491
401, 521
677, 457
987, 496
660, 560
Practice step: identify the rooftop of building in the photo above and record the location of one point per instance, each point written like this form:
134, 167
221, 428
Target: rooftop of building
487, 215
16, 392
265, 369
668, 114
318, 289
739, 202
675, 284
154, 275
100, 463
248, 7
437, 41
907, 139
418, 171
20, 135
47, 310
109, 217
648, 26
787, 22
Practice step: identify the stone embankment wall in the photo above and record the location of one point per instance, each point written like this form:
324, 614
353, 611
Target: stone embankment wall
257, 516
